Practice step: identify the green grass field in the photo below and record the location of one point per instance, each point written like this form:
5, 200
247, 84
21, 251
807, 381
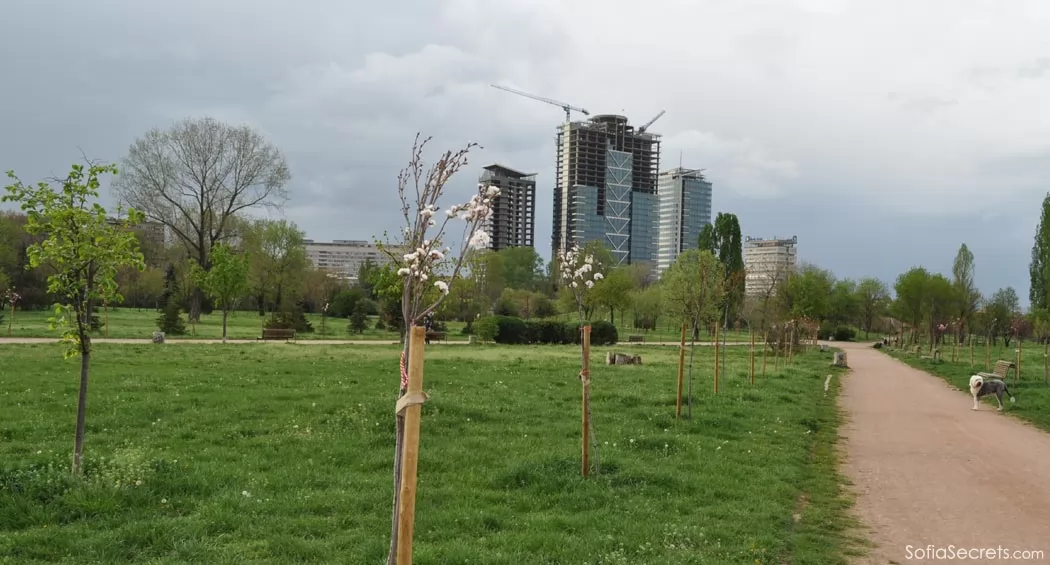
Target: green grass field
277, 453
130, 323
1032, 391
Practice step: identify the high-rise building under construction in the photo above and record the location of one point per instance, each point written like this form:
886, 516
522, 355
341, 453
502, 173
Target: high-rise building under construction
606, 188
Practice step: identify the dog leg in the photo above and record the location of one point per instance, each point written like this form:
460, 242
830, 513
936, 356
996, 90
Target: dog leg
975, 402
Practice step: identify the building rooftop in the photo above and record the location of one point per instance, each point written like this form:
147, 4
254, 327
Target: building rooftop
507, 171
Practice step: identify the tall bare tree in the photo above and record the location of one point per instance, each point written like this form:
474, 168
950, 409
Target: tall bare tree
196, 176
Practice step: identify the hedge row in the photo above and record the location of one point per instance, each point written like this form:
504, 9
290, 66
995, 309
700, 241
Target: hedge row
515, 331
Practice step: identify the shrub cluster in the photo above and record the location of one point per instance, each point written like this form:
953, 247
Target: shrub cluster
515, 331
838, 333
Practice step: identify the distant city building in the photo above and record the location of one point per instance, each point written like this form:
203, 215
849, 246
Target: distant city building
605, 188
513, 219
344, 257
685, 208
768, 263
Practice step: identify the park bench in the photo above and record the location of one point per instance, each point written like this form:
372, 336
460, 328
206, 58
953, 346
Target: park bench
436, 336
636, 339
278, 333
1002, 369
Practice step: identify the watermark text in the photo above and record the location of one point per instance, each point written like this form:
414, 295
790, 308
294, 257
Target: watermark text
972, 553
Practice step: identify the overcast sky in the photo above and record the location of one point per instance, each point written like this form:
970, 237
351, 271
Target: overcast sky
882, 133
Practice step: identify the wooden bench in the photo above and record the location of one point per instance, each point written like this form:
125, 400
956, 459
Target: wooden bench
1002, 369
636, 339
277, 333
436, 336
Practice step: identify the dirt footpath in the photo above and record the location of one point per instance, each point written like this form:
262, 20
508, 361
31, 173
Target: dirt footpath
930, 473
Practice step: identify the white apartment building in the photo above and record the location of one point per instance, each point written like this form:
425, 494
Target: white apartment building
767, 263
344, 257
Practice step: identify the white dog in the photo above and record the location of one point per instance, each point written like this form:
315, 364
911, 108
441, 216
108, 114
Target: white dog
980, 388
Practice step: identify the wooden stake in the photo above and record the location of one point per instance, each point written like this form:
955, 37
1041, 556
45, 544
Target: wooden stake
752, 356
765, 346
586, 380
1020, 353
681, 374
410, 448
791, 344
988, 353
716, 358
969, 337
1046, 367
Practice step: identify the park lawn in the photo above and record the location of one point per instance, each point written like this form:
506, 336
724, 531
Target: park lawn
1032, 391
278, 453
133, 323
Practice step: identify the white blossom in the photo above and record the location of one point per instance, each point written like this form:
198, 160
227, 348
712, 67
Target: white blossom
479, 240
442, 286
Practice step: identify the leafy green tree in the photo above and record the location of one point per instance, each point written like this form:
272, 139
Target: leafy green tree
693, 292
522, 268
84, 251
692, 288
941, 303
1039, 268
613, 292
872, 301
844, 304
227, 280
807, 293
648, 306
1003, 305
708, 239
911, 302
723, 239
277, 255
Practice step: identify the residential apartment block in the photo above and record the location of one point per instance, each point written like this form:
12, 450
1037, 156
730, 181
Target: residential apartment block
344, 257
513, 219
685, 208
767, 263
606, 188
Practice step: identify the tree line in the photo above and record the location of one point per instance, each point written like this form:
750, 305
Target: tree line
203, 181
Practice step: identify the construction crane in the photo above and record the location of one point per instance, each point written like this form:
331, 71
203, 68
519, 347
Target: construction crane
650, 122
562, 105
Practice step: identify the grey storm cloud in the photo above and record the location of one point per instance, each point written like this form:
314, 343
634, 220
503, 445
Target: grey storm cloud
880, 133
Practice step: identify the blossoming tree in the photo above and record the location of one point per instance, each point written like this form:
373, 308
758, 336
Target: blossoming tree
426, 268
579, 272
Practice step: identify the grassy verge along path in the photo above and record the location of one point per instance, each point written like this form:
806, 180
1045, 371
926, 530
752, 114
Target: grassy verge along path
240, 454
1032, 391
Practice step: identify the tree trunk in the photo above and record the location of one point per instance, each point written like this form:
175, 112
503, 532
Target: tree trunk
196, 302
85, 365
225, 316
